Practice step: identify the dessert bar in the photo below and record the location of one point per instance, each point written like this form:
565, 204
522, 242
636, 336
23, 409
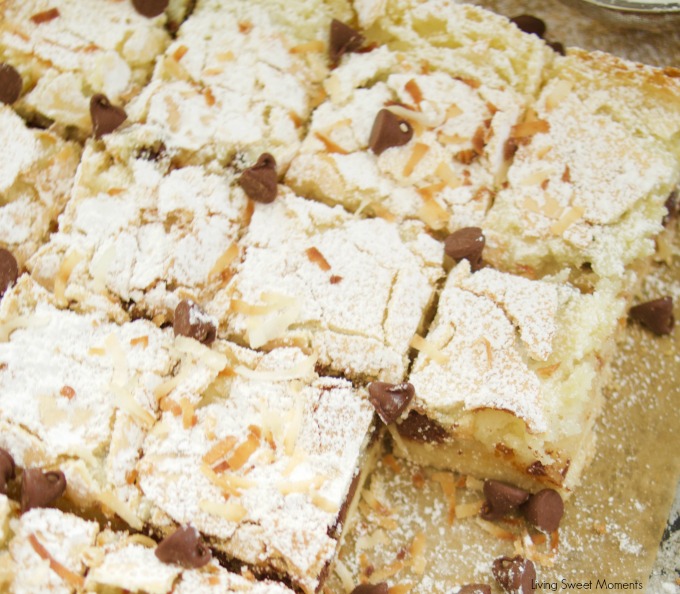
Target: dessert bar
354, 290
66, 51
509, 383
141, 233
241, 78
401, 139
559, 209
36, 177
266, 465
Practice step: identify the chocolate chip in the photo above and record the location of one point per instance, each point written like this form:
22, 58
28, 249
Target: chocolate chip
9, 270
671, 205
190, 320
390, 400
40, 489
467, 243
557, 47
419, 427
515, 575
530, 24
544, 510
343, 39
10, 84
259, 182
380, 588
388, 131
184, 547
7, 470
501, 499
655, 315
105, 117
474, 589
150, 8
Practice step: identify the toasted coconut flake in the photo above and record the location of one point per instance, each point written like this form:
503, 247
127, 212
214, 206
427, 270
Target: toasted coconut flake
228, 484
467, 510
447, 175
263, 329
120, 366
331, 146
143, 540
345, 576
382, 212
126, 401
427, 348
337, 125
536, 178
413, 116
325, 504
294, 427
547, 371
371, 541
317, 258
96, 352
401, 588
239, 306
391, 462
419, 151
121, 509
219, 450
188, 416
530, 128
303, 369
414, 90
64, 273
375, 504
433, 215
223, 262
568, 218
453, 111
296, 459
242, 453
140, 340
487, 350
227, 56
230, 511
560, 91
451, 138
418, 547
74, 579
180, 52
309, 47
495, 530
448, 485
398, 441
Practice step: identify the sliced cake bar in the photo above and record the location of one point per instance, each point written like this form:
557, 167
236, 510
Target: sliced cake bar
36, 177
267, 466
508, 383
139, 232
398, 138
65, 51
596, 164
354, 290
241, 78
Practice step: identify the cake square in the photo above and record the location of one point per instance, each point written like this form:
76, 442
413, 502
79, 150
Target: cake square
78, 394
559, 208
508, 385
268, 465
446, 165
68, 50
240, 79
36, 176
354, 290
139, 232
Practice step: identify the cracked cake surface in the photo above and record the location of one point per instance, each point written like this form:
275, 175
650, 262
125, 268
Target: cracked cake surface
68, 50
316, 274
36, 177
